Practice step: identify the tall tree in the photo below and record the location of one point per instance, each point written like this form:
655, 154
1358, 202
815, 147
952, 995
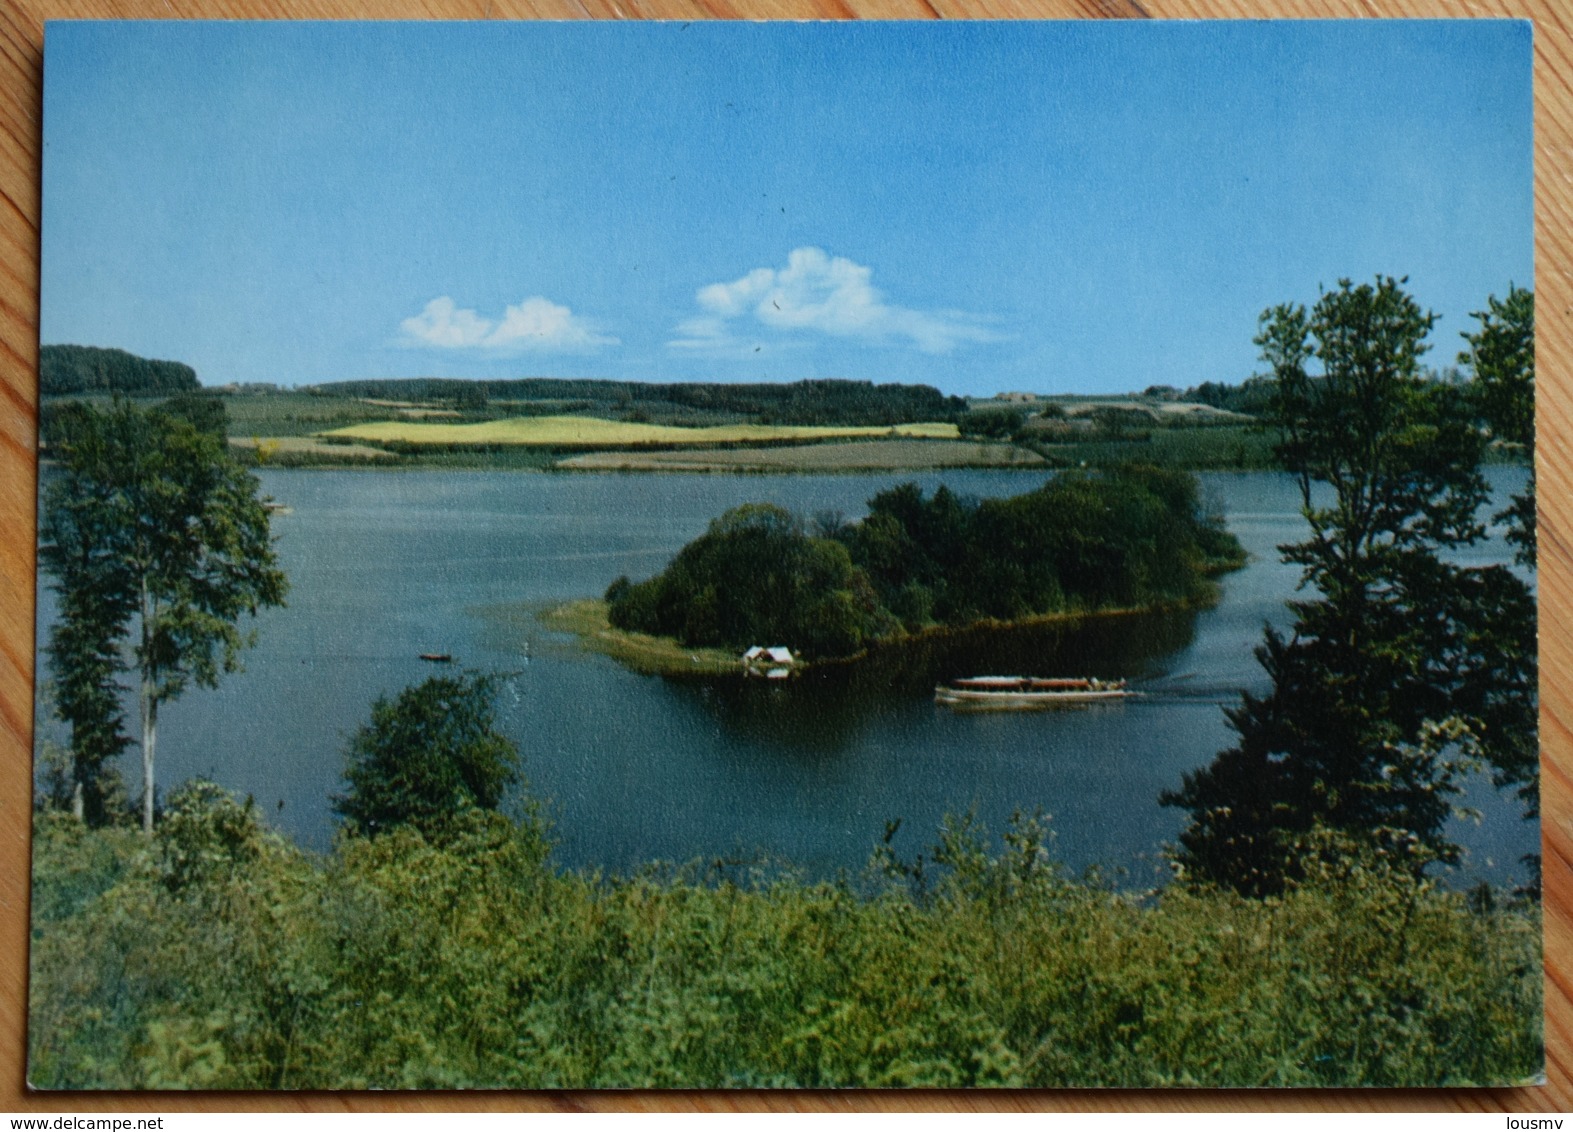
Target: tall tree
1502, 356
1405, 664
180, 551
79, 521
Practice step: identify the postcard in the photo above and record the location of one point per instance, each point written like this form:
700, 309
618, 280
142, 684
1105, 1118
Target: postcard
731, 555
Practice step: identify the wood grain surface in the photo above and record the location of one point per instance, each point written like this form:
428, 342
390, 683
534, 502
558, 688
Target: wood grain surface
21, 61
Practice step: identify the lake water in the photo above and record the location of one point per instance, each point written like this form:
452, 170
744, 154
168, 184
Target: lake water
387, 565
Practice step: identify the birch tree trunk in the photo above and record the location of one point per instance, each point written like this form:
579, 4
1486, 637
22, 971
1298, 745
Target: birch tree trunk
149, 737
149, 711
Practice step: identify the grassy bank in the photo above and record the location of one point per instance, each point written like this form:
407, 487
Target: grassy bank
219, 956
303, 451
641, 652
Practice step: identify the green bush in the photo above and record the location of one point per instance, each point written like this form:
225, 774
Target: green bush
469, 960
991, 424
428, 755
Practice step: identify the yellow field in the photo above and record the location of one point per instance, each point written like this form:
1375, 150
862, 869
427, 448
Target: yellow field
308, 446
591, 432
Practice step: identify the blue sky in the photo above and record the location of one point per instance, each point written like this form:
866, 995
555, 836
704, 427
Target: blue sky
1054, 207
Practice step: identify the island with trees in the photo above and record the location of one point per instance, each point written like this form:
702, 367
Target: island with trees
1084, 542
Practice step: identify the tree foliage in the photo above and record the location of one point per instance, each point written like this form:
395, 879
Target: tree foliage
819, 402
152, 533
1119, 422
1405, 665
431, 753
80, 522
1501, 355
1083, 541
1253, 397
1126, 537
756, 576
991, 423
204, 411
92, 369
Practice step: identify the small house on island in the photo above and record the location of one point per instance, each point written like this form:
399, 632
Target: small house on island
776, 654
776, 660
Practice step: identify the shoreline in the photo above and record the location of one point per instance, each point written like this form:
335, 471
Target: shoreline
832, 456
586, 620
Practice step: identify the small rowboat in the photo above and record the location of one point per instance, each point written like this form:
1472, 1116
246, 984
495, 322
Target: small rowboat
438, 657
1021, 692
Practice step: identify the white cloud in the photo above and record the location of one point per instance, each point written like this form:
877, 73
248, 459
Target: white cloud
440, 324
817, 293
536, 324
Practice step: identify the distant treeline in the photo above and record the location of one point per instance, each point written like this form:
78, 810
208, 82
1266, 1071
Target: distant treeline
92, 369
801, 402
1132, 536
1253, 396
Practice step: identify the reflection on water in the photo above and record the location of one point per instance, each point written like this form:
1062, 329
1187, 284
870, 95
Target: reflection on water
831, 707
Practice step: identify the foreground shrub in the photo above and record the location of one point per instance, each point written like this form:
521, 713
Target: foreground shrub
429, 754
461, 957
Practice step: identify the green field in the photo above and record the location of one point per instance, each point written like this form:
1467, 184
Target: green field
294, 414
316, 429
593, 432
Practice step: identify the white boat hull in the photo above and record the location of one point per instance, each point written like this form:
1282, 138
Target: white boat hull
1013, 699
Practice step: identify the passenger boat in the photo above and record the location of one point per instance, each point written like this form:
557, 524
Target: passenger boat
1028, 691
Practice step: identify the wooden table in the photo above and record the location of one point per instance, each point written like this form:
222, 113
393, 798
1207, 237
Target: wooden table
21, 56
